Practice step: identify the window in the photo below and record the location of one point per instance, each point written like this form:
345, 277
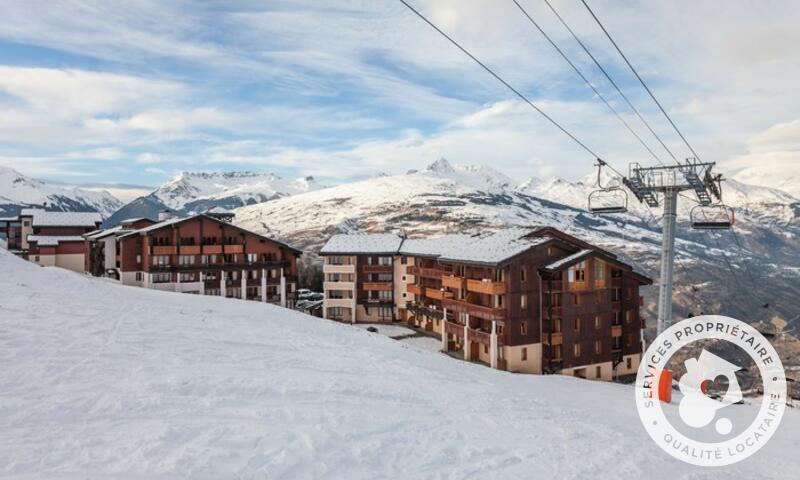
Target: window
523, 301
556, 352
557, 325
252, 257
628, 316
577, 350
555, 299
161, 278
523, 274
403, 261
385, 312
598, 297
160, 260
629, 293
524, 354
598, 372
599, 271
26, 223
577, 273
138, 276
486, 349
597, 322
186, 259
598, 347
628, 363
187, 277
577, 324
576, 299
385, 261
499, 329
138, 259
523, 328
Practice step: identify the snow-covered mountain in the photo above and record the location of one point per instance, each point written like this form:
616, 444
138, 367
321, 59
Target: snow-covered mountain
95, 385
445, 198
191, 192
18, 191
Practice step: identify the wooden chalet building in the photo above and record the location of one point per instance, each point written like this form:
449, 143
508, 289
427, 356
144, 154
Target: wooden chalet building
531, 300
53, 238
205, 255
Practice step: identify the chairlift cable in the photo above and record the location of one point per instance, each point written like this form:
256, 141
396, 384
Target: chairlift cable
619, 50
611, 80
586, 80
506, 84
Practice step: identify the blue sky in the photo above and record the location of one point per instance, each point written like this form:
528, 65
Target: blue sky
132, 92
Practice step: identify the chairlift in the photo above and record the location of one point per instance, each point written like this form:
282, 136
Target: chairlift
612, 200
608, 199
714, 217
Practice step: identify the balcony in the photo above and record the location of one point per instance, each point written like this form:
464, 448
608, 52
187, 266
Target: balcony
380, 286
479, 336
189, 250
577, 286
164, 250
451, 281
414, 289
616, 282
331, 268
212, 249
616, 330
377, 268
487, 287
616, 305
338, 285
233, 248
556, 285
421, 310
437, 294
556, 338
487, 313
453, 328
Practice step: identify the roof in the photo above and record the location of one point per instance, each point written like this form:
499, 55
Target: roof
28, 212
131, 220
374, 243
9, 219
432, 247
174, 221
568, 260
98, 234
53, 240
66, 219
494, 248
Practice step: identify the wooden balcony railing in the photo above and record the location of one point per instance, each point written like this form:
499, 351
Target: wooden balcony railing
233, 248
616, 282
453, 328
212, 249
164, 250
414, 289
381, 286
189, 250
576, 286
556, 338
471, 309
616, 330
616, 305
451, 281
488, 287
437, 294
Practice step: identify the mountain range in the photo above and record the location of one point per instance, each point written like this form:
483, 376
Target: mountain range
18, 191
752, 274
191, 192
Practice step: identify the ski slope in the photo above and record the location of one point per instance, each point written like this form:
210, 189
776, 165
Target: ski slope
105, 381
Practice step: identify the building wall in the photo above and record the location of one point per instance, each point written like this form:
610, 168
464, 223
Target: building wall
514, 362
70, 261
110, 252
26, 228
590, 371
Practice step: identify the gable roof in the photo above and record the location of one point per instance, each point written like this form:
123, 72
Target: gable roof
53, 240
175, 221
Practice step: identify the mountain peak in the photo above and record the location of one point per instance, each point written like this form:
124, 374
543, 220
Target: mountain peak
440, 166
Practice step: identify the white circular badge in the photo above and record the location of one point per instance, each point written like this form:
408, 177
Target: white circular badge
699, 411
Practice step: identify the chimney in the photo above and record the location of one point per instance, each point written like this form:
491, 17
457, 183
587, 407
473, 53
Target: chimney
164, 215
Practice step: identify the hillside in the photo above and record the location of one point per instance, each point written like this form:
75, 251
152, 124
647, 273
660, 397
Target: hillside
454, 199
190, 192
96, 385
18, 191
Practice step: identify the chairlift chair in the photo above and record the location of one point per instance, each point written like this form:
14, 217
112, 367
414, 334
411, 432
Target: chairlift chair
611, 200
714, 217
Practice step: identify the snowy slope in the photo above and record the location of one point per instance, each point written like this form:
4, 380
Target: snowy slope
190, 192
95, 385
18, 191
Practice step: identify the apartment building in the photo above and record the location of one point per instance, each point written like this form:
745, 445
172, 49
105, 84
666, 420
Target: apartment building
102, 256
532, 300
54, 238
205, 255
11, 232
359, 278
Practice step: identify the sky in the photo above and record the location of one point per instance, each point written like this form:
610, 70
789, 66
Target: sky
131, 93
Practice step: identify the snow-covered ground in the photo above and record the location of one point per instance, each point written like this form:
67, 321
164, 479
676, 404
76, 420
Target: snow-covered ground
101, 380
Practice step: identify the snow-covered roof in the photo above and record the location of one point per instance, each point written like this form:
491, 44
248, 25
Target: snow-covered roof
29, 212
362, 243
433, 247
53, 240
494, 248
158, 225
568, 259
8, 219
131, 220
98, 234
66, 219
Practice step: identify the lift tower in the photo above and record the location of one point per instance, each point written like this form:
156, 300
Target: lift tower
647, 183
